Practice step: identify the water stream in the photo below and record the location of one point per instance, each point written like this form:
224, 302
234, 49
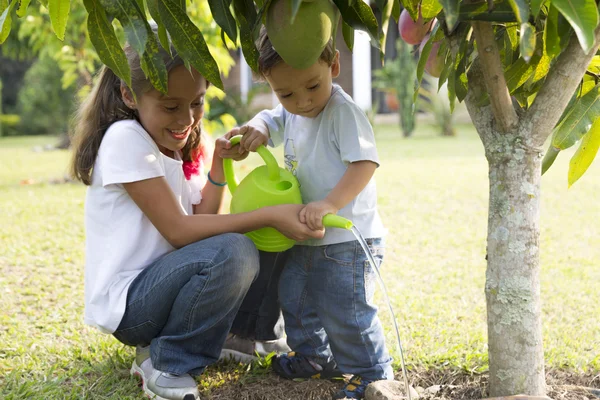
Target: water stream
375, 266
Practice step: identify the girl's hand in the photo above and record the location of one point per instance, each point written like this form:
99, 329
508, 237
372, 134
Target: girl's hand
286, 221
312, 214
224, 148
253, 138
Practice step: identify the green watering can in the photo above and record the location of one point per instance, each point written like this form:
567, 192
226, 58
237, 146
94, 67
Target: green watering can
269, 185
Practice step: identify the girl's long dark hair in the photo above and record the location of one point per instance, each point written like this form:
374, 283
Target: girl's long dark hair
104, 106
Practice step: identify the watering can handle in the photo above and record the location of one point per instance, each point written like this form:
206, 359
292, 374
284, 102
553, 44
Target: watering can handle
267, 156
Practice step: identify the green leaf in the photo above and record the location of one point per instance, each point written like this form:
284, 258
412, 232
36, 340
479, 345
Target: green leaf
430, 9
412, 6
585, 154
6, 21
583, 17
551, 37
154, 66
188, 41
22, 8
163, 37
527, 41
433, 36
451, 10
59, 14
549, 158
460, 66
536, 6
396, 10
222, 14
501, 12
360, 16
348, 33
105, 41
577, 120
510, 42
386, 15
133, 22
519, 72
521, 10
248, 21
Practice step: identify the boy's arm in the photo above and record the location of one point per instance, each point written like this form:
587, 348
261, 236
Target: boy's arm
357, 176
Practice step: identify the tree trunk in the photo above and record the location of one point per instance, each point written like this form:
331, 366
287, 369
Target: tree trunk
512, 288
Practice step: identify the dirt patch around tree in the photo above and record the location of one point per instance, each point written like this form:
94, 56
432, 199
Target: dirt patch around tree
432, 384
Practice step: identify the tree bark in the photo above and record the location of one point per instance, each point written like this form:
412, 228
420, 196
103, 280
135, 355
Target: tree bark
512, 288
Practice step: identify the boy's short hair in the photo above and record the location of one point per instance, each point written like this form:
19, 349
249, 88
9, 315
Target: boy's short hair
268, 57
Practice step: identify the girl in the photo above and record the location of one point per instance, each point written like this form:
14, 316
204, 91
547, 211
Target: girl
162, 272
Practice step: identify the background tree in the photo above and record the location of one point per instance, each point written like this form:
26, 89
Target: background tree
525, 68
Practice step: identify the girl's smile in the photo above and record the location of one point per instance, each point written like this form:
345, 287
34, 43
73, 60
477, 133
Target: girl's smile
170, 118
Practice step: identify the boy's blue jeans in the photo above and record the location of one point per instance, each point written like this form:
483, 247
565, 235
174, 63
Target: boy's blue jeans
184, 303
326, 295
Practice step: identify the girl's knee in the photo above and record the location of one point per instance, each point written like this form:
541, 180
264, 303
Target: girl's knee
242, 256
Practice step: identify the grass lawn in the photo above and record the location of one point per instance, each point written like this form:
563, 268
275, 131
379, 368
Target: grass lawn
433, 197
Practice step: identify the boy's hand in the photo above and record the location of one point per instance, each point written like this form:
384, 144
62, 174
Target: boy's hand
312, 214
253, 137
224, 148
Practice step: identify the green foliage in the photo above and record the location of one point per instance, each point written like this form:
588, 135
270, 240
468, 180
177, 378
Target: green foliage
43, 104
9, 124
232, 105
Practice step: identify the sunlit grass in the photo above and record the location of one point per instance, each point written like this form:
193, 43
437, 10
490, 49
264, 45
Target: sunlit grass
433, 198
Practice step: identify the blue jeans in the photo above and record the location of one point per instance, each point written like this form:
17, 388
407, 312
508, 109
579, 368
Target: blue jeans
184, 303
326, 295
259, 316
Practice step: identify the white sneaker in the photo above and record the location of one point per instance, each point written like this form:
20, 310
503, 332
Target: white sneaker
246, 350
160, 385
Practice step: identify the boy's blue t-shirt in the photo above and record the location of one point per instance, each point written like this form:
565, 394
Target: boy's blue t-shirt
318, 151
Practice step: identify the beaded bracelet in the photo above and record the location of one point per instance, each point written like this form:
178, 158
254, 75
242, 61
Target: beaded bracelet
215, 183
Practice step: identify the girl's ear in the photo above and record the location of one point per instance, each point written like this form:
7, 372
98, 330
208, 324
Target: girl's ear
127, 97
335, 65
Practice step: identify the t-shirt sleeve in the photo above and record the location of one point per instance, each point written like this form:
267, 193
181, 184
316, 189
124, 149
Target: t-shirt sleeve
275, 120
127, 154
353, 134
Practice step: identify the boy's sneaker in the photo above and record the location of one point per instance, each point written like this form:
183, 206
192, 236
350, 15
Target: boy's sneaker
160, 385
246, 350
292, 366
354, 389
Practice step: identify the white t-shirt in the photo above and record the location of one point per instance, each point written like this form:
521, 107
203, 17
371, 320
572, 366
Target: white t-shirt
318, 150
120, 240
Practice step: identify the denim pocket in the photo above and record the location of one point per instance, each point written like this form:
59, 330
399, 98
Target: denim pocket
140, 333
341, 253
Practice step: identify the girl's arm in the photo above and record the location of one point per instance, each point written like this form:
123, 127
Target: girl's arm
212, 195
156, 200
357, 176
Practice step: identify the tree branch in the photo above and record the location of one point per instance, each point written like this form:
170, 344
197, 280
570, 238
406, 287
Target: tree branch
481, 116
493, 73
560, 84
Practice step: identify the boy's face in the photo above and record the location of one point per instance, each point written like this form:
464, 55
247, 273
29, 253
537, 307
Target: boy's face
170, 118
304, 92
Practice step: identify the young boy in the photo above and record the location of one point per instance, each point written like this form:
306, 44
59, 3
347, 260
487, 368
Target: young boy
327, 285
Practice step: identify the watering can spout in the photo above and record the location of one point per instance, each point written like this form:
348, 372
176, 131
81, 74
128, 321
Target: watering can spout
335, 221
